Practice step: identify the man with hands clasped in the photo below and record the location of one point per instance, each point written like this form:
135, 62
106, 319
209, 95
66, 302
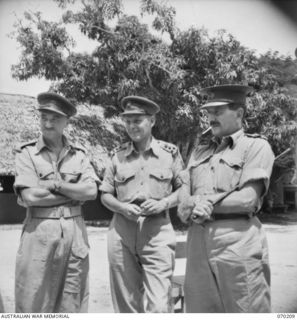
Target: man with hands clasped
223, 188
139, 186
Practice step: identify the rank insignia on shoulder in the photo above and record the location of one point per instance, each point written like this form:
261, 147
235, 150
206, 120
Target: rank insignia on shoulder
25, 144
118, 149
169, 147
79, 147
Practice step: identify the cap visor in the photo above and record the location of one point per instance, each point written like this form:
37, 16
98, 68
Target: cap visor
131, 113
53, 111
214, 104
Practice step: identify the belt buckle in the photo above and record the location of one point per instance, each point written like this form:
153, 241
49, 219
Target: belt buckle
61, 212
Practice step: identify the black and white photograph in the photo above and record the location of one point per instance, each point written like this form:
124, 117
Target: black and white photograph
148, 158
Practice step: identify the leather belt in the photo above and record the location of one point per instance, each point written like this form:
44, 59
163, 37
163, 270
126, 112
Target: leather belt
55, 212
230, 216
137, 202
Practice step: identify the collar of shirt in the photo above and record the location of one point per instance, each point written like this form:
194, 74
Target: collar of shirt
232, 139
40, 145
235, 137
154, 148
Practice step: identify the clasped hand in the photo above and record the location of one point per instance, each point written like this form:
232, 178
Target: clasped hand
197, 208
201, 211
147, 208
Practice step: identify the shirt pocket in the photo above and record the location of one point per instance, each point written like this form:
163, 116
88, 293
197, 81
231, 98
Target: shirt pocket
229, 172
46, 173
200, 177
69, 175
125, 183
160, 182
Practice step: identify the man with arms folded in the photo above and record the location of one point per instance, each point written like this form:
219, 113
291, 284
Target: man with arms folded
53, 179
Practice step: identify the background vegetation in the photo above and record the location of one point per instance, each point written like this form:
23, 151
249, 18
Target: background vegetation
131, 58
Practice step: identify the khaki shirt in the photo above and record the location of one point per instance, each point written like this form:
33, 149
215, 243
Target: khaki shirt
244, 158
33, 163
154, 175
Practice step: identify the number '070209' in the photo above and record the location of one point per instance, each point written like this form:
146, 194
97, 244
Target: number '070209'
285, 315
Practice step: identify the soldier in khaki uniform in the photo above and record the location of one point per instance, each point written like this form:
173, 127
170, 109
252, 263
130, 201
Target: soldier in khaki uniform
53, 179
227, 256
137, 187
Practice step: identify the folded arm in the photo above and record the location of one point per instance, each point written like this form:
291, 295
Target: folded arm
41, 197
81, 191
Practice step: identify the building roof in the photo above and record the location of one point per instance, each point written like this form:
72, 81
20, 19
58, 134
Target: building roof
19, 123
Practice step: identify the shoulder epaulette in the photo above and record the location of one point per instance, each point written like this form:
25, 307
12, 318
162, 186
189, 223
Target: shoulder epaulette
255, 135
169, 147
118, 149
25, 144
79, 147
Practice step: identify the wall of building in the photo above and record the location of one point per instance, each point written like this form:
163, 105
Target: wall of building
11, 212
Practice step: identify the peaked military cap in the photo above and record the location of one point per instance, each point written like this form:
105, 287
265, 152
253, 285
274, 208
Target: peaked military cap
138, 105
51, 101
225, 94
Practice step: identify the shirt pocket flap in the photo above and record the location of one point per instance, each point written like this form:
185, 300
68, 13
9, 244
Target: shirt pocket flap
70, 175
161, 174
124, 175
232, 161
196, 163
45, 173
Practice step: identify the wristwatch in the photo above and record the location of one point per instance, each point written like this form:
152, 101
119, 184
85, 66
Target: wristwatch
167, 203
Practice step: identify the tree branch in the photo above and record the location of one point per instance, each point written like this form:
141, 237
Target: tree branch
104, 30
147, 72
165, 70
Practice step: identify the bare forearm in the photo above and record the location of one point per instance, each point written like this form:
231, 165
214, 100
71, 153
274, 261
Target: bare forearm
112, 203
173, 199
79, 191
245, 200
39, 197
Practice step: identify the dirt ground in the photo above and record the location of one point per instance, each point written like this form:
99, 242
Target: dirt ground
282, 239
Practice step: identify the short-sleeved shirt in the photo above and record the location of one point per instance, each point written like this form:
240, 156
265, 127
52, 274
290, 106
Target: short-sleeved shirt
33, 163
245, 158
154, 175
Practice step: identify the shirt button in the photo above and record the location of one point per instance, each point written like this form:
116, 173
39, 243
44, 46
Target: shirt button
141, 183
212, 168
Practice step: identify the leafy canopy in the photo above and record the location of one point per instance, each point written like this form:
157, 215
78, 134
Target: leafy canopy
131, 58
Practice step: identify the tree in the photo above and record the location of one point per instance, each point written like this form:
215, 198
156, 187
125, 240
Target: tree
130, 59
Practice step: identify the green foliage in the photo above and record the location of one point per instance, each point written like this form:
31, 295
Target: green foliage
130, 59
43, 45
283, 68
274, 115
89, 129
164, 20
